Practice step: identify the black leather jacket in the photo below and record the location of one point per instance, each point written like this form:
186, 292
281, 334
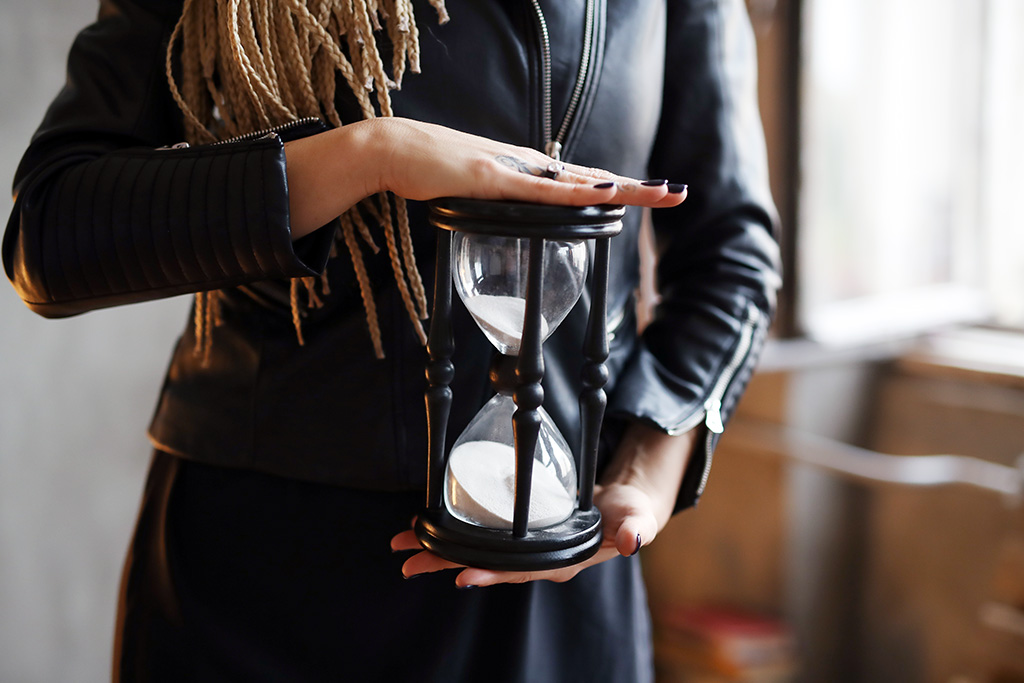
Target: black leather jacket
103, 217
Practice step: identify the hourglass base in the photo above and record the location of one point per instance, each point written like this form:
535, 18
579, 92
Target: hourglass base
570, 542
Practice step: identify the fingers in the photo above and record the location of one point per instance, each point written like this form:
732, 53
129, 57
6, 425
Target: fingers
627, 542
473, 577
674, 193
573, 189
562, 190
596, 174
570, 187
649, 193
425, 562
531, 176
405, 541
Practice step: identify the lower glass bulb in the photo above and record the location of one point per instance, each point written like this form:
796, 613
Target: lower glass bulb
481, 472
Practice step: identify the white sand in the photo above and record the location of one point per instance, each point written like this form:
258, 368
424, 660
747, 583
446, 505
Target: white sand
501, 318
482, 487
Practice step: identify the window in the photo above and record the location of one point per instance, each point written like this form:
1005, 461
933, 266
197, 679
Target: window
911, 162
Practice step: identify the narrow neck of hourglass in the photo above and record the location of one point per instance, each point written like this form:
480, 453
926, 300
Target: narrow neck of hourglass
503, 373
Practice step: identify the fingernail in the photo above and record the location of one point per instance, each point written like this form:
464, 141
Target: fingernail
676, 188
466, 587
604, 186
639, 543
411, 576
654, 183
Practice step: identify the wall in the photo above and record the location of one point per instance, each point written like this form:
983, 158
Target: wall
75, 396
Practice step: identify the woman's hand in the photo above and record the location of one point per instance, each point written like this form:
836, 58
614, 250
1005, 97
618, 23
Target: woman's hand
331, 172
636, 499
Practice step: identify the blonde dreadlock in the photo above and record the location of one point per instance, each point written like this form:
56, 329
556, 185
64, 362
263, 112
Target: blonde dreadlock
248, 65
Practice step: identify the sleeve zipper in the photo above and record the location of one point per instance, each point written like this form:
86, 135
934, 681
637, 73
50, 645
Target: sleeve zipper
713, 404
273, 131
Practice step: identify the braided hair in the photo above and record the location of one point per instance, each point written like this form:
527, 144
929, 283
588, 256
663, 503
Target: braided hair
248, 65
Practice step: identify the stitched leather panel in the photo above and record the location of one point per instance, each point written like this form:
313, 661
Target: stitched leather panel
214, 218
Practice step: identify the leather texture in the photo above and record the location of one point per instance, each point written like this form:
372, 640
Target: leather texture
160, 225
103, 217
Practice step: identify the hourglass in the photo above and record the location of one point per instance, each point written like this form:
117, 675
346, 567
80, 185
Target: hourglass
508, 494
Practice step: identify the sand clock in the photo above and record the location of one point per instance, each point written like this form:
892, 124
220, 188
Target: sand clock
508, 494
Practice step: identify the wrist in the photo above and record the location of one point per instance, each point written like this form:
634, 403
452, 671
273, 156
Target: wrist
366, 155
328, 174
652, 462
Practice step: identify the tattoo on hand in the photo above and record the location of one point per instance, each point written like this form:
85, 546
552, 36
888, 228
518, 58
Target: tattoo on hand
517, 164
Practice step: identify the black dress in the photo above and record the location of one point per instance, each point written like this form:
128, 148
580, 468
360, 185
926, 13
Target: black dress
241, 576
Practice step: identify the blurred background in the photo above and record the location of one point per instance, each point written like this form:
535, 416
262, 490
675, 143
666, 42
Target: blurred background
864, 519
75, 398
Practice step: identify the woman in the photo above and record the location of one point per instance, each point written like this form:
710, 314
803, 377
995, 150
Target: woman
289, 434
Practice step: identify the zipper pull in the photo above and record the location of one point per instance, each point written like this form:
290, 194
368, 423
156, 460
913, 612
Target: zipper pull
713, 406
177, 145
554, 150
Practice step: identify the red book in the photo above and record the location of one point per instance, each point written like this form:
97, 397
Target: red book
737, 644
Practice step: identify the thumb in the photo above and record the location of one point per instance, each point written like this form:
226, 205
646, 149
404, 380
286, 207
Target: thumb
635, 531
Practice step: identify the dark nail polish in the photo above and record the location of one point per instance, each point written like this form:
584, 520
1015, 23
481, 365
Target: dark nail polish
466, 587
639, 543
412, 576
675, 188
604, 186
654, 183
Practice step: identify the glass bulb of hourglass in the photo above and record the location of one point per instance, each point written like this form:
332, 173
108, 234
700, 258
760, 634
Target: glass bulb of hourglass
480, 475
491, 273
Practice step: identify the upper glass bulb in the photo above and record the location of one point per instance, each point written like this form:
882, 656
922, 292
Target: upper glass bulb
491, 276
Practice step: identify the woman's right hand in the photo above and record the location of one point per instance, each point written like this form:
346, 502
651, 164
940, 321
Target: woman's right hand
331, 172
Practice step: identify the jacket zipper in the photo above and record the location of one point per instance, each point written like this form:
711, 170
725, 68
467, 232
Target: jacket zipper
267, 132
713, 404
273, 131
553, 143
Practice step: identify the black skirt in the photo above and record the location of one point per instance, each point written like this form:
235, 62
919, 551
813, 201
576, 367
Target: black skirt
240, 576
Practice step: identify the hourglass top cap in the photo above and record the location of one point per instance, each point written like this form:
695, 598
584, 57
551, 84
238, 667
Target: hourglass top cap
523, 219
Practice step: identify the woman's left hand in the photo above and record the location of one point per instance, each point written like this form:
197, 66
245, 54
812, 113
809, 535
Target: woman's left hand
635, 500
